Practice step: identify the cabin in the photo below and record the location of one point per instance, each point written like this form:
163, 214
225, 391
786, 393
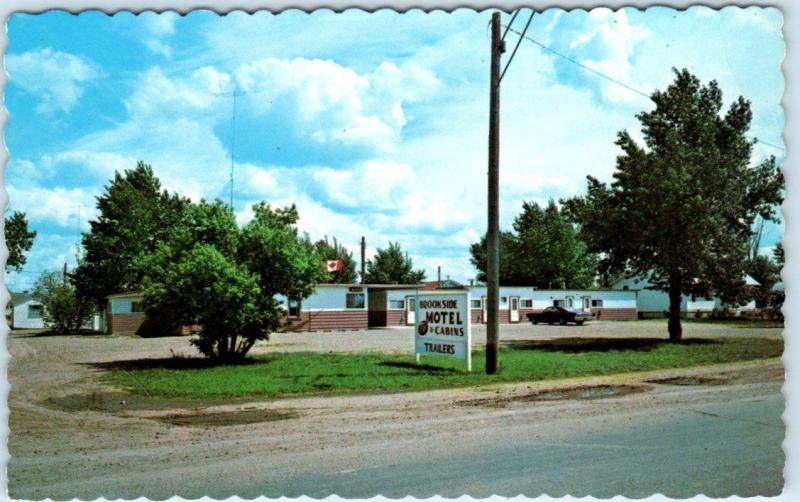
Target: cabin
654, 303
26, 313
363, 306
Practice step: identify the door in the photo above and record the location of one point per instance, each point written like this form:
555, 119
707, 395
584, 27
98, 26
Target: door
483, 307
587, 303
513, 308
411, 310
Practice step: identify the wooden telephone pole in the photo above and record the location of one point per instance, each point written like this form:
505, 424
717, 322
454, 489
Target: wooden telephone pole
493, 235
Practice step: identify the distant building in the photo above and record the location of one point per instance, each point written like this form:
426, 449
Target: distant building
654, 303
26, 313
363, 306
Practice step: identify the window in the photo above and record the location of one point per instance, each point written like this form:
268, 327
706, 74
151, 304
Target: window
294, 308
474, 304
570, 301
412, 304
503, 300
35, 311
397, 304
558, 303
136, 307
526, 303
597, 303
355, 300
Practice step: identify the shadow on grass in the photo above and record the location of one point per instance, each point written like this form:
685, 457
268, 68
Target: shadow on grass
172, 363
576, 345
428, 368
39, 333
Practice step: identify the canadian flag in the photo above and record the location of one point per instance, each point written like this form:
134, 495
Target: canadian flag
334, 265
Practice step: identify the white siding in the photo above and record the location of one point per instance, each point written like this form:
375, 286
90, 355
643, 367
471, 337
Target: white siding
543, 298
123, 305
21, 319
328, 298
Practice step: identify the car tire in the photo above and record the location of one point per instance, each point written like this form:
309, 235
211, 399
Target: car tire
550, 323
562, 322
536, 321
578, 323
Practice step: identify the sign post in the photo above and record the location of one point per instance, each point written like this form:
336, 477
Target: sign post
442, 326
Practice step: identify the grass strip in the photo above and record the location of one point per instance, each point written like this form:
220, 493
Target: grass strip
295, 373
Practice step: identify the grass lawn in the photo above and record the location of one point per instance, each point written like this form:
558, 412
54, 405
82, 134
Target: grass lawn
313, 372
293, 373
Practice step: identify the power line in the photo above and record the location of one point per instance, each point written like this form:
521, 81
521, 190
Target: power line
519, 41
510, 23
609, 78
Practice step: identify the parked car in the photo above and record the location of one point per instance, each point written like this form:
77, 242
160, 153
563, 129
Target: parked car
561, 315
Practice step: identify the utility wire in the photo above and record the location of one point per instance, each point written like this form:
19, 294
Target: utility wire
509, 24
611, 79
573, 61
519, 41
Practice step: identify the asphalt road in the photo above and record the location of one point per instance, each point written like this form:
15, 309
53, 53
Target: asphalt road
730, 445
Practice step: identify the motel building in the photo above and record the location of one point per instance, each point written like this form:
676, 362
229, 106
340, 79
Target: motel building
363, 306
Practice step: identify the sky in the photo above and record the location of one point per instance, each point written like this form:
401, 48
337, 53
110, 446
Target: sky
373, 124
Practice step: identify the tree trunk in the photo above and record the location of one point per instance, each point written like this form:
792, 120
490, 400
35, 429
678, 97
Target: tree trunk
674, 326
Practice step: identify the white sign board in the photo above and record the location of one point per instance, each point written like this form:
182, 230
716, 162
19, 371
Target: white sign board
442, 326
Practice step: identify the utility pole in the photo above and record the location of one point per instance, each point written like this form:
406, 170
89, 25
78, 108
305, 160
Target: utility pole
363, 257
65, 273
78, 242
235, 94
492, 234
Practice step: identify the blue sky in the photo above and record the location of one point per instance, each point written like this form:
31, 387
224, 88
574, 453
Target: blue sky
373, 124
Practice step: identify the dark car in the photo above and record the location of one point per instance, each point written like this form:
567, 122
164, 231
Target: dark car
561, 315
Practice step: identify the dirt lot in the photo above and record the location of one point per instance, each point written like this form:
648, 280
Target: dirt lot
67, 429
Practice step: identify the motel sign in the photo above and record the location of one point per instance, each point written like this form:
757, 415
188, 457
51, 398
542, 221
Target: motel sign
442, 326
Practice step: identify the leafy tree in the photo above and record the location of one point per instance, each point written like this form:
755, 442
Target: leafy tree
64, 310
543, 251
777, 255
681, 207
392, 266
135, 216
328, 250
766, 273
19, 240
224, 279
508, 272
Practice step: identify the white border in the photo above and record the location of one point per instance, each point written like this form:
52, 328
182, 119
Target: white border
791, 207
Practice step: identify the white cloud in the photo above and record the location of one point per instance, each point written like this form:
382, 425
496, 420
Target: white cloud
56, 78
371, 185
157, 27
617, 39
53, 205
333, 103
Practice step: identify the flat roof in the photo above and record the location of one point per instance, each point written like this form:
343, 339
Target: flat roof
129, 294
379, 286
559, 290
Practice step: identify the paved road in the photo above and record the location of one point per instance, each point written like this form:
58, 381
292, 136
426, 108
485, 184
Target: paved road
729, 446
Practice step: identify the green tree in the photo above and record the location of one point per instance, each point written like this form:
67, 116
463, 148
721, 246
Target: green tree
682, 206
135, 216
766, 273
224, 279
777, 255
334, 250
508, 272
544, 251
64, 310
19, 240
392, 266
